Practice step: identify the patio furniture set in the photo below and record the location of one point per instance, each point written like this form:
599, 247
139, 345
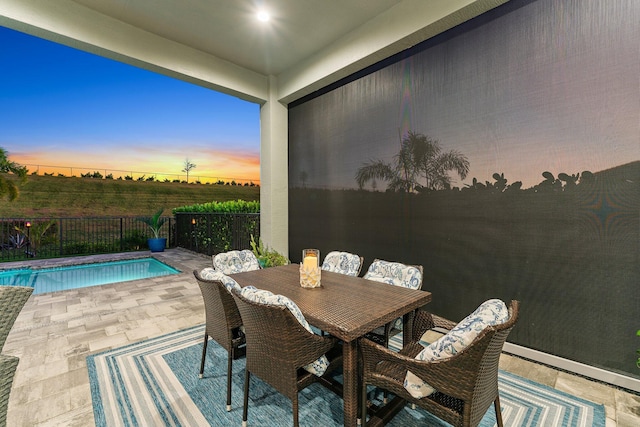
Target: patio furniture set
293, 336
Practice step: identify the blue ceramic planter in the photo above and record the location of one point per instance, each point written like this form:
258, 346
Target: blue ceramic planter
157, 245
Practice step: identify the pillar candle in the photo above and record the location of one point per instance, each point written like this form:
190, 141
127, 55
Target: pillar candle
310, 262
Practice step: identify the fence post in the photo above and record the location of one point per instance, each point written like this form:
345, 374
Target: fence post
61, 250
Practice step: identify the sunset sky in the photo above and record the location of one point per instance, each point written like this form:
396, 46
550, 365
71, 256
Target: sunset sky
63, 107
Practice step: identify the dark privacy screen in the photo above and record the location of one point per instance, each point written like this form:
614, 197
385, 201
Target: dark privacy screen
504, 157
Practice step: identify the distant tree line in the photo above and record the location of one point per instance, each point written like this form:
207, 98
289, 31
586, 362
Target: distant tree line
150, 178
187, 167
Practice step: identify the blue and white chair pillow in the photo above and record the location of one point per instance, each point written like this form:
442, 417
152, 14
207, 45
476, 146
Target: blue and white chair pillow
261, 296
235, 261
490, 313
213, 274
342, 262
395, 273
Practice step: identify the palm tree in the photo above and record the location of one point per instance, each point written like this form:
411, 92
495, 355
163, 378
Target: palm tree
421, 163
8, 187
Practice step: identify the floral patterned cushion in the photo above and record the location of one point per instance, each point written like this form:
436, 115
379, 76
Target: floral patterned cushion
342, 262
235, 261
261, 296
394, 273
490, 313
212, 274
397, 274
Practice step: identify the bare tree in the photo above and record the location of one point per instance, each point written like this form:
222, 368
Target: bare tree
188, 165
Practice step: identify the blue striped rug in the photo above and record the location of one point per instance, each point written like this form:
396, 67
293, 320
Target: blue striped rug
155, 383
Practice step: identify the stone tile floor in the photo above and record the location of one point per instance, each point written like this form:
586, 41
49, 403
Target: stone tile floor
55, 333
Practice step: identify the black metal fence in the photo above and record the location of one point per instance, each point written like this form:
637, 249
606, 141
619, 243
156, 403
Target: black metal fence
207, 233
60, 237
211, 233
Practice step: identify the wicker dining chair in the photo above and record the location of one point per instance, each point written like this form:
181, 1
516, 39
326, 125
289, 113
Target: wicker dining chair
465, 383
12, 299
396, 274
235, 261
343, 263
280, 349
223, 321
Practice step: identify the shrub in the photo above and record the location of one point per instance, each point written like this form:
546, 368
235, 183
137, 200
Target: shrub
76, 248
134, 240
215, 226
267, 257
230, 206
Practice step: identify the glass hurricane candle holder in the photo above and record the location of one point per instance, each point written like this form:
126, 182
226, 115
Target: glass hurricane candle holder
310, 268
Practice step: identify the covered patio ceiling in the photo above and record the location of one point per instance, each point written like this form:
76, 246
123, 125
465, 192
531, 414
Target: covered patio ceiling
221, 44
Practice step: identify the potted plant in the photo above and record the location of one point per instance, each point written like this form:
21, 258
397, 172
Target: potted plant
267, 257
156, 243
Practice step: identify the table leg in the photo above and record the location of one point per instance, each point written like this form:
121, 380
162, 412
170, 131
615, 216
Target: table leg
407, 327
350, 378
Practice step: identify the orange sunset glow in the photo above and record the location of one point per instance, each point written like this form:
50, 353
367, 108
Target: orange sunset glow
69, 112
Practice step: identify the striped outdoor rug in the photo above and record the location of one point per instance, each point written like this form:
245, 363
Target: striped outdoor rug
155, 383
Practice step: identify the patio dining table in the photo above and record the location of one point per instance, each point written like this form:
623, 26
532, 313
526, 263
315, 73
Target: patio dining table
346, 307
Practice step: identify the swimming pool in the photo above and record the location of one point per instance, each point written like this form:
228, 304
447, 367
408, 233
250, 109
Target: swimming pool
84, 275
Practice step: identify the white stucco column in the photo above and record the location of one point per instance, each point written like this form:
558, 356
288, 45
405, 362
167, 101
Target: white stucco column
274, 194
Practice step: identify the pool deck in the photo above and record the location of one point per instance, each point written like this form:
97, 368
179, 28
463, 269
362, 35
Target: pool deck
55, 332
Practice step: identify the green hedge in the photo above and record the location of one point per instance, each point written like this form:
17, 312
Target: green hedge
231, 206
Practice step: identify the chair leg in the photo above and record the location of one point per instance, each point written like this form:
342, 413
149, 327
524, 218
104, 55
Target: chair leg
387, 332
247, 378
496, 404
363, 404
204, 354
229, 373
294, 404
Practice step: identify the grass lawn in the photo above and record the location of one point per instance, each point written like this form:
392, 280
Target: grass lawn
53, 196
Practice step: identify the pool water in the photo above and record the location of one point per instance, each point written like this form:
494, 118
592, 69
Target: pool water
84, 275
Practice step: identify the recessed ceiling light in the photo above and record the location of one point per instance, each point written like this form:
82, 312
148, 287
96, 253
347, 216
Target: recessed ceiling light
263, 16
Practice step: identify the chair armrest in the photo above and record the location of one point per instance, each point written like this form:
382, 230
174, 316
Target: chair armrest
317, 346
325, 343
8, 365
12, 299
453, 376
424, 321
441, 322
